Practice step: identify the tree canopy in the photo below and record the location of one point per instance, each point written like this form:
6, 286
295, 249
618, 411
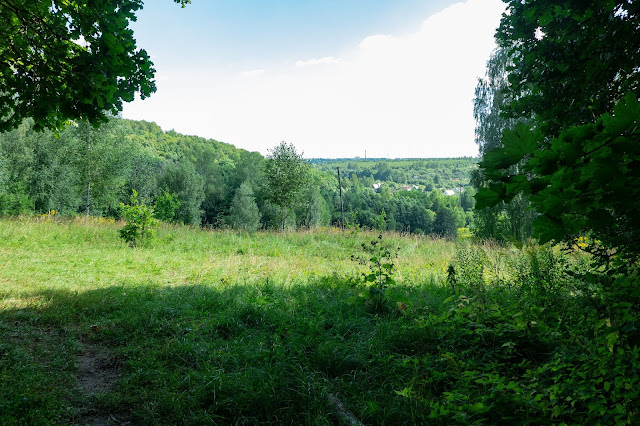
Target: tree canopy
572, 59
575, 79
69, 60
503, 221
286, 174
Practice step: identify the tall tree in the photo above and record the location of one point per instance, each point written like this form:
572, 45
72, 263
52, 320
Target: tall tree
143, 174
286, 174
68, 59
3, 170
244, 210
38, 175
490, 98
18, 170
54, 182
183, 180
103, 160
445, 223
579, 158
318, 213
512, 222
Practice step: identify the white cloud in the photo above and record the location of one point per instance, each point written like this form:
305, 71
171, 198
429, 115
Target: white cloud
392, 95
252, 73
327, 60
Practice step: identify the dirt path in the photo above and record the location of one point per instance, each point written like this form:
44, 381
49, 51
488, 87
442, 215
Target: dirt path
98, 374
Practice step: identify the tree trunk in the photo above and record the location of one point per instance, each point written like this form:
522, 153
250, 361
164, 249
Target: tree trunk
88, 171
284, 217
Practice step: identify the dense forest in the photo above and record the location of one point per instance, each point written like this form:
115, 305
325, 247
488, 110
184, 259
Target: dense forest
83, 169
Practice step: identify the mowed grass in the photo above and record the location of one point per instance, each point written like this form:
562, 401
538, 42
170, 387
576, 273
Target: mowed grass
205, 327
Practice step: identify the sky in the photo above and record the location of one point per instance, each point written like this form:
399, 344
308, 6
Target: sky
336, 78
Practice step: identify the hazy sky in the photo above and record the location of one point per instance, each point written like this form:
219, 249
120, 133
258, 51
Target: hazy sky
334, 77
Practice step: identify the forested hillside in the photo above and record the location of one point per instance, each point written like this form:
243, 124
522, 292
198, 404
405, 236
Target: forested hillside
83, 169
195, 181
423, 196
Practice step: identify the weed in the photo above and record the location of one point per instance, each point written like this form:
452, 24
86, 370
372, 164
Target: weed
380, 261
451, 277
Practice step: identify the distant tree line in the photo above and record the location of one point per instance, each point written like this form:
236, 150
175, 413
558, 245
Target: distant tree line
203, 182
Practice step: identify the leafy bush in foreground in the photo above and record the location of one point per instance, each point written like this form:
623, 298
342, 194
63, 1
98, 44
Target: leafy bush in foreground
539, 347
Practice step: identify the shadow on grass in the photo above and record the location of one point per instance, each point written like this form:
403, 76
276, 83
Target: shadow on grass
265, 353
200, 354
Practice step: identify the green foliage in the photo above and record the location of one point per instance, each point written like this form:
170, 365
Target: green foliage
450, 172
584, 182
82, 56
166, 207
505, 350
380, 221
318, 213
380, 261
144, 174
446, 224
12, 204
141, 225
572, 61
574, 80
183, 180
467, 202
286, 175
99, 167
470, 264
489, 100
38, 175
220, 169
102, 159
244, 210
411, 214
66, 172
502, 222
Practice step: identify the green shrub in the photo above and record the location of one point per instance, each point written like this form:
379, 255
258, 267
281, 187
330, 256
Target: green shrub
379, 259
15, 204
166, 207
141, 224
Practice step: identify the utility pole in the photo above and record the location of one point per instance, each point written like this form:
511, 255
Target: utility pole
341, 205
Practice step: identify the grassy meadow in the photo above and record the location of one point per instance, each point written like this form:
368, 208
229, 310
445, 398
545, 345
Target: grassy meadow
214, 327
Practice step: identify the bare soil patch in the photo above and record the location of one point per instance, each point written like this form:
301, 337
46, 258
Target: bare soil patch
98, 374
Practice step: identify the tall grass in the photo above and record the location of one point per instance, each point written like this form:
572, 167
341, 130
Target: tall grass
218, 327
80, 255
